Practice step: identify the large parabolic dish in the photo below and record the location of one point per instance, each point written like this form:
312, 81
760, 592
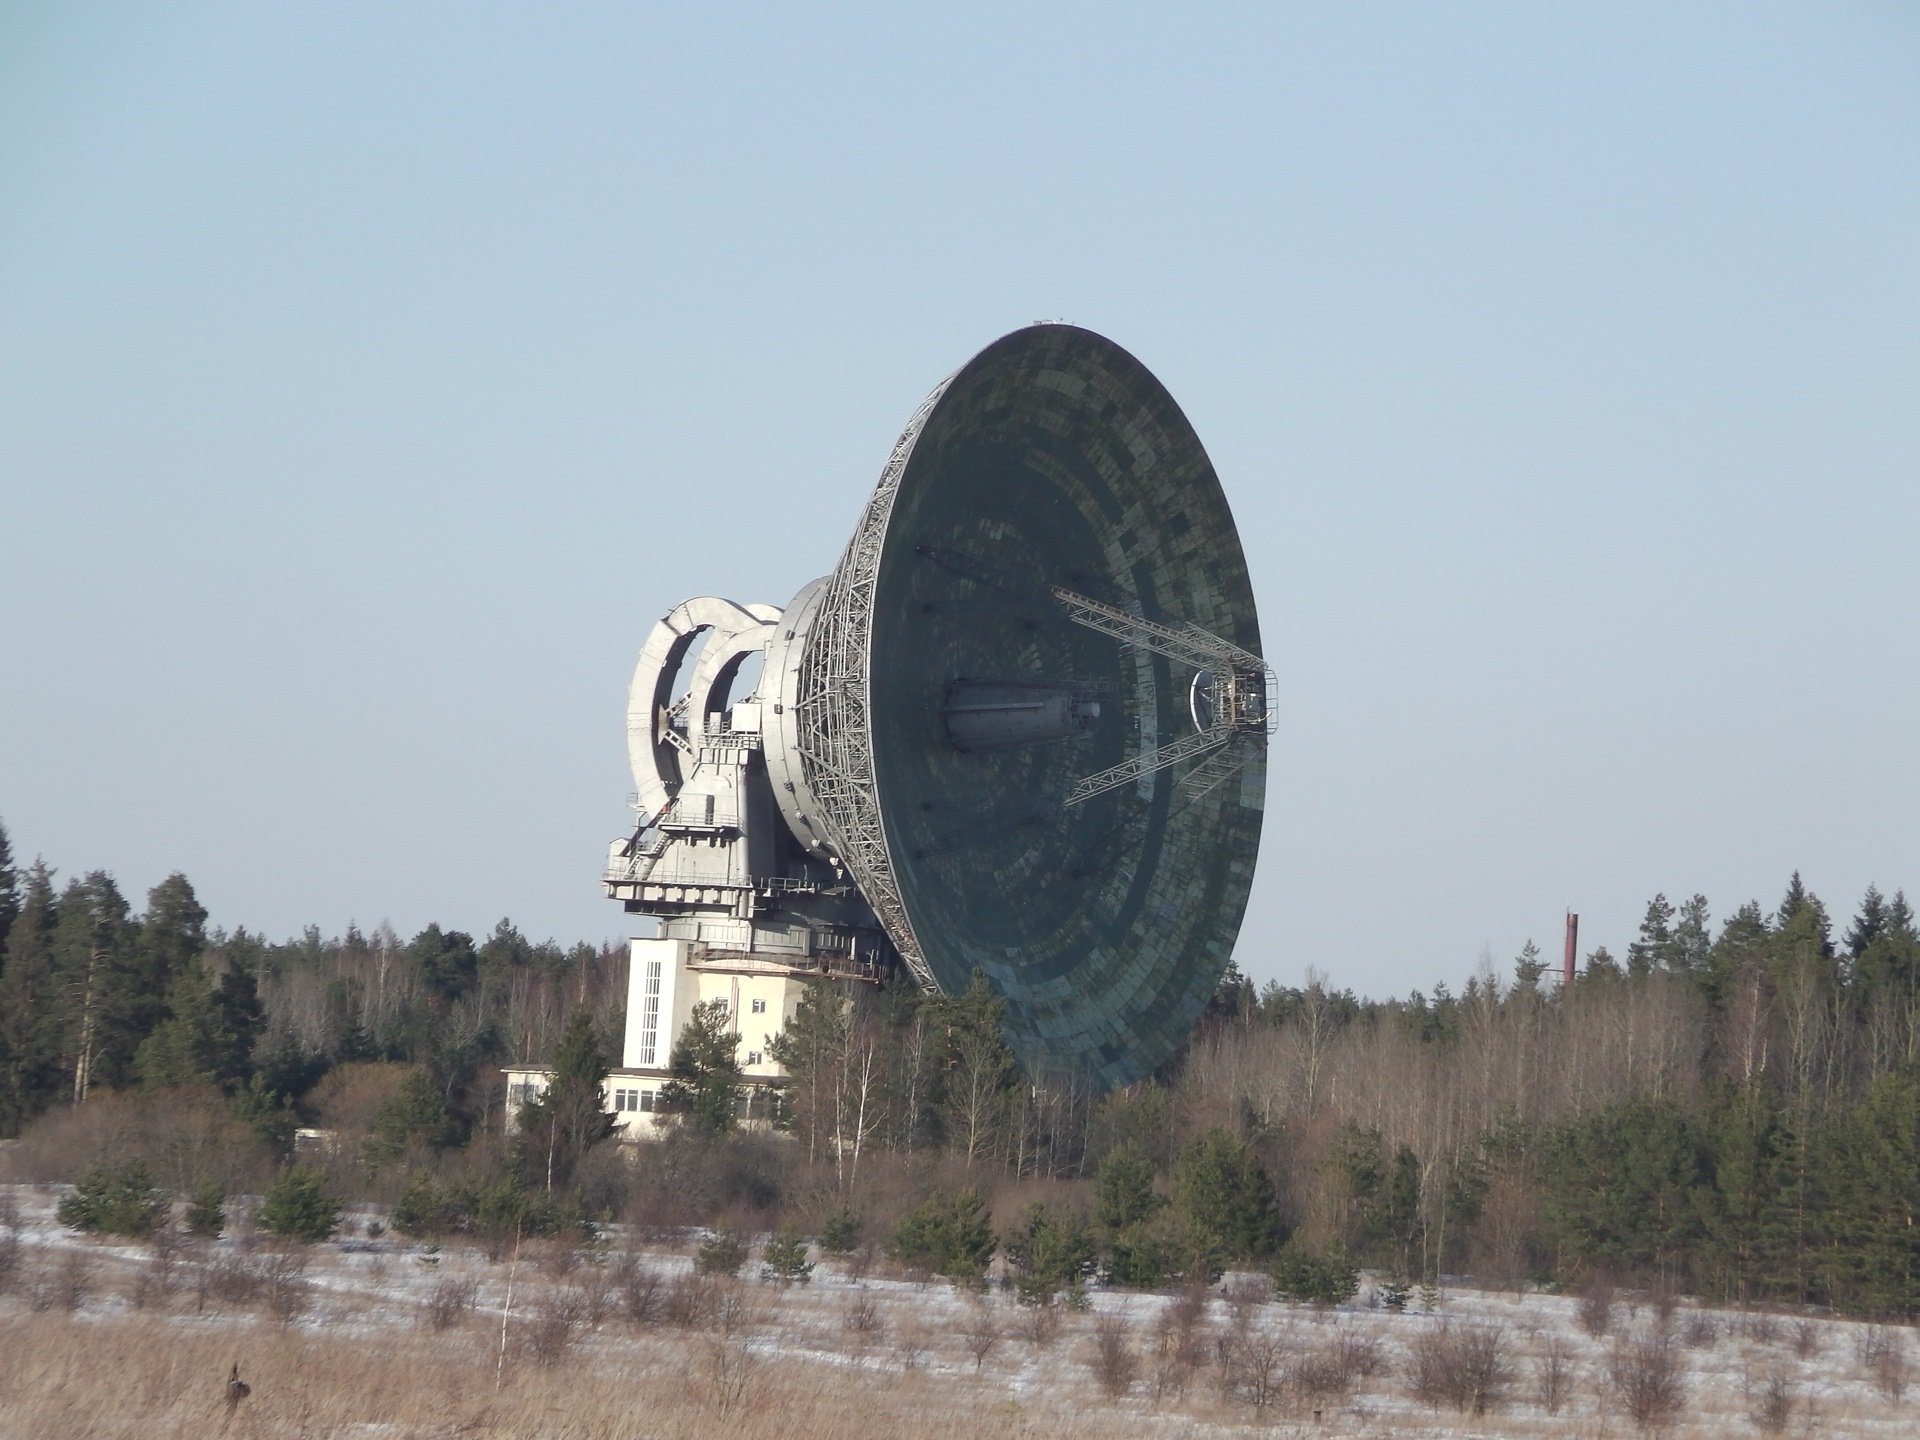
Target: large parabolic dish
1028, 712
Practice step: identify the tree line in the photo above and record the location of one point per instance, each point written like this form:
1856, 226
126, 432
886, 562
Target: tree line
1731, 1109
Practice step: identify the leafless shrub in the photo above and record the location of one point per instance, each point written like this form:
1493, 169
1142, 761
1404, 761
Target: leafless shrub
1181, 1341
1665, 1300
1318, 1375
734, 1310
1175, 1357
164, 1247
67, 1287
1244, 1294
229, 1279
597, 1294
1254, 1367
12, 1257
1039, 1325
1882, 1353
726, 1371
449, 1301
638, 1290
1759, 1327
1806, 1338
1114, 1362
1335, 1367
1552, 1375
1770, 1401
556, 1259
551, 1323
862, 1316
283, 1281
1596, 1305
688, 1301
910, 1343
980, 1332
1701, 1332
1649, 1381
1464, 1366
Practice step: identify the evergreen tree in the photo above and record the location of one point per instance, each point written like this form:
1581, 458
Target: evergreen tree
558, 1128
1051, 1250
118, 1199
704, 1071
1654, 950
173, 934
448, 964
949, 1235
10, 897
1868, 925
1736, 1206
31, 1012
1233, 997
1693, 938
979, 1075
414, 1115
1620, 1188
812, 1049
100, 982
187, 1046
1528, 967
298, 1205
1226, 1198
1123, 1191
1873, 1225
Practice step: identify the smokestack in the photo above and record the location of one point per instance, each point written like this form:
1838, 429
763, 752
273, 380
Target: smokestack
1573, 942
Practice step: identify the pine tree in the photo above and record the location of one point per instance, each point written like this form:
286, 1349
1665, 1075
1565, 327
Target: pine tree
558, 1128
704, 1071
1868, 925
447, 961
1693, 938
96, 961
10, 898
1873, 1223
1123, 1191
173, 934
1226, 1198
1654, 949
30, 1009
299, 1206
1736, 1205
980, 1073
1528, 967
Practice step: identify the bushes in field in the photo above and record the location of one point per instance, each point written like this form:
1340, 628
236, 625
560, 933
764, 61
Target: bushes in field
115, 1200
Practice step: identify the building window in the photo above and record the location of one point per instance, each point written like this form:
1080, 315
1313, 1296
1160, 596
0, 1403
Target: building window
646, 1100
525, 1093
650, 1013
759, 1007
625, 1101
753, 1057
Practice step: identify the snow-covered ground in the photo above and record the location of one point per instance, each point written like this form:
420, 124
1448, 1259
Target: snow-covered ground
1135, 1363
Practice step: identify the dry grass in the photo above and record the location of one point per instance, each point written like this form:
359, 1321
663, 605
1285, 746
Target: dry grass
141, 1378
355, 1340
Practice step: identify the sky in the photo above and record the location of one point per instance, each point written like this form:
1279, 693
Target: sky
372, 377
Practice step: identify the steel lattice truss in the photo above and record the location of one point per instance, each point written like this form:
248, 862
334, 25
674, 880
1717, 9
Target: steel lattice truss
1242, 689
836, 748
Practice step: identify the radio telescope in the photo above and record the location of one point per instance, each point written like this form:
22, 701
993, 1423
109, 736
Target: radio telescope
1020, 729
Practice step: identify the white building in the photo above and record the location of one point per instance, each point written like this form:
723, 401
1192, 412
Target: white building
665, 980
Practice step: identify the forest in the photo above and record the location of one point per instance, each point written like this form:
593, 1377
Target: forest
1730, 1109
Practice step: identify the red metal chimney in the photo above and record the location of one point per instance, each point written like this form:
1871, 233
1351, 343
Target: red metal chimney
1573, 942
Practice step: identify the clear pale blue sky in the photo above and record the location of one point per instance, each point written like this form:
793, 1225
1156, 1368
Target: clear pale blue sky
371, 377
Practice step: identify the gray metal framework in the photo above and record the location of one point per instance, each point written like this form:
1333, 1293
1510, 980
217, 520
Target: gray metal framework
1237, 672
836, 740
